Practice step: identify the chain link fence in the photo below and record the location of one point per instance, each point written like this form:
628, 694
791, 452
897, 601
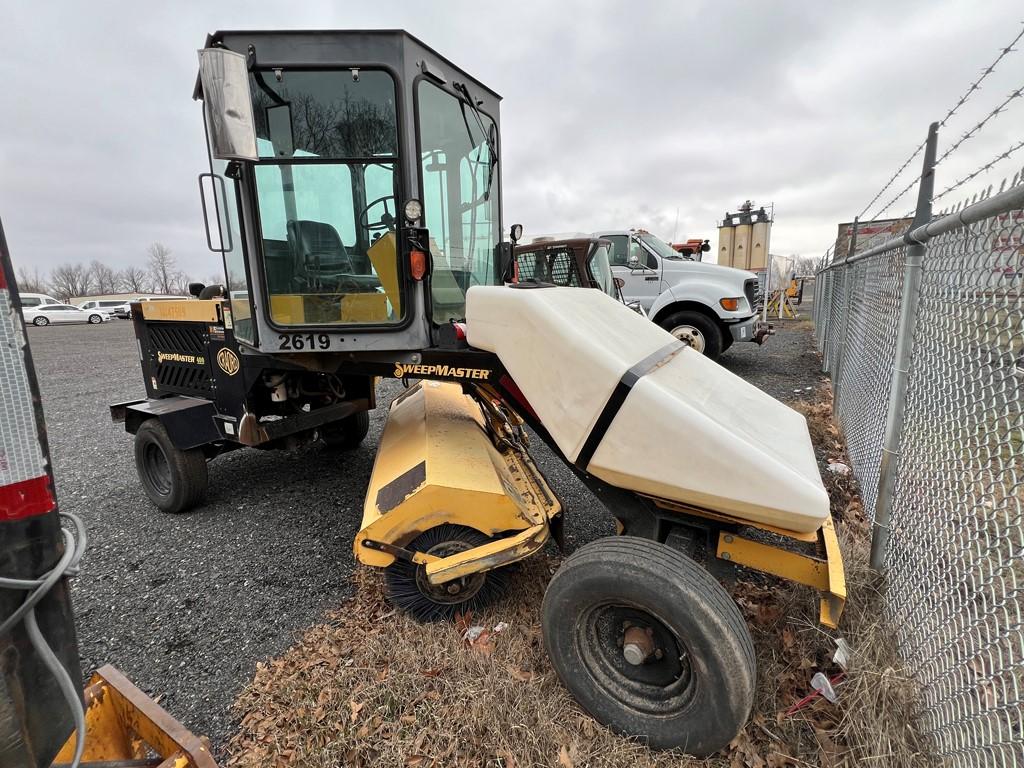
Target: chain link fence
940, 414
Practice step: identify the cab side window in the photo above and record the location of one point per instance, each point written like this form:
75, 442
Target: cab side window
31, 301
619, 251
644, 257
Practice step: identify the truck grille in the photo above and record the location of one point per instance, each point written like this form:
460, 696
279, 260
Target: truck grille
750, 289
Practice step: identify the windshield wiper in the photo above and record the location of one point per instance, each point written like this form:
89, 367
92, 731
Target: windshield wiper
492, 149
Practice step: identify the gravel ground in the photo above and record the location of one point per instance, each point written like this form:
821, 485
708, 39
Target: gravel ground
186, 605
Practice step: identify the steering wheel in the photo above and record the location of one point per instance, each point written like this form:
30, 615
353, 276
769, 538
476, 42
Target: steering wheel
387, 219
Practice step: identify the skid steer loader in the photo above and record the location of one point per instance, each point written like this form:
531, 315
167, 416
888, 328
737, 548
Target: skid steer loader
354, 192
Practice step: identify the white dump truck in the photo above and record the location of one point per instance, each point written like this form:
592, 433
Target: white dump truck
707, 306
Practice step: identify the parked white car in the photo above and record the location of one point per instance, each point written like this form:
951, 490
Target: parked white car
117, 307
63, 313
36, 299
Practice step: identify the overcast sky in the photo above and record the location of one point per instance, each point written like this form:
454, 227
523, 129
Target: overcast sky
615, 114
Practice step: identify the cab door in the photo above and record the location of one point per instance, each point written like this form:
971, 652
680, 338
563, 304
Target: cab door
639, 269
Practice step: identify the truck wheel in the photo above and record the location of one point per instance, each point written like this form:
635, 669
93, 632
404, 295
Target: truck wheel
697, 330
409, 590
175, 480
650, 644
348, 433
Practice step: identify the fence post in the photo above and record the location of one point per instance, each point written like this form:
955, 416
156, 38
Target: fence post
843, 319
912, 272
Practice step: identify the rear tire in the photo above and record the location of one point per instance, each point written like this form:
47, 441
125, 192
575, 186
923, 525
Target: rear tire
697, 330
41, 321
346, 434
175, 480
692, 687
94, 319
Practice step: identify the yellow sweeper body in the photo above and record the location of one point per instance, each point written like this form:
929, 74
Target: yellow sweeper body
438, 464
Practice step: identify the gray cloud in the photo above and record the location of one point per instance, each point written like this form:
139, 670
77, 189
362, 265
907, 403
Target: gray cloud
615, 114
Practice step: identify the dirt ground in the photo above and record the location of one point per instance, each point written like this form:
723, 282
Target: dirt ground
368, 686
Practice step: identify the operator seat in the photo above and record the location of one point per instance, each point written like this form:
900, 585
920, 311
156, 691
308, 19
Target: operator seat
318, 250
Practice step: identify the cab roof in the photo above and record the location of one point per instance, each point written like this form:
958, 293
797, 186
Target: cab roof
317, 47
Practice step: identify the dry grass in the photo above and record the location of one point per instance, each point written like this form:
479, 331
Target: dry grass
372, 687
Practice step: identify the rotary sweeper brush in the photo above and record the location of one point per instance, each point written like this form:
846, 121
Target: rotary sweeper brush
349, 254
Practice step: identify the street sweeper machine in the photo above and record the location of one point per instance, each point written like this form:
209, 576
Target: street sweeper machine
354, 191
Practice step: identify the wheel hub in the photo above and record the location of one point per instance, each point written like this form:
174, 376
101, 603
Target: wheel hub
638, 645
457, 590
690, 336
635, 658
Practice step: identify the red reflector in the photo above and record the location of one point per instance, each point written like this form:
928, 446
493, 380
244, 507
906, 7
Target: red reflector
460, 330
26, 499
417, 264
515, 272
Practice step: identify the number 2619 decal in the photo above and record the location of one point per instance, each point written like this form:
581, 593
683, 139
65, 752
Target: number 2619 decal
302, 342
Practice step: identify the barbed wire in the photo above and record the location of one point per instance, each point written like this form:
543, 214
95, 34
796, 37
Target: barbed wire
1016, 94
977, 172
952, 111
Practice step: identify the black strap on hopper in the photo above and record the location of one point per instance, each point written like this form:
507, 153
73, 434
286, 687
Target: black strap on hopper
618, 397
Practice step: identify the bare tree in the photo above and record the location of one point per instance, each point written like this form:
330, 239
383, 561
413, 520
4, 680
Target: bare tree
31, 282
180, 285
163, 269
133, 279
104, 279
69, 280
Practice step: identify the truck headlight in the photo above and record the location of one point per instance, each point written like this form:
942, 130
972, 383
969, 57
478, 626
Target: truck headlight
731, 304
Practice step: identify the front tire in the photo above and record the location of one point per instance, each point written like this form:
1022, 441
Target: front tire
175, 480
94, 319
348, 433
40, 321
697, 330
650, 644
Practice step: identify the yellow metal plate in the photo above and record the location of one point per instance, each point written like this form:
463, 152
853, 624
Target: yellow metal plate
187, 310
827, 576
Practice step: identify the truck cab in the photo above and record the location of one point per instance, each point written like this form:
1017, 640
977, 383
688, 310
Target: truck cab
706, 306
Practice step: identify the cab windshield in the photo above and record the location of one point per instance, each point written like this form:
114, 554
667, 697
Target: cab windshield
326, 187
461, 209
661, 248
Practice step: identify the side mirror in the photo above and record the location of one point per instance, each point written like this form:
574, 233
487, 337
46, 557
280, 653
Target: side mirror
195, 289
619, 282
634, 262
224, 76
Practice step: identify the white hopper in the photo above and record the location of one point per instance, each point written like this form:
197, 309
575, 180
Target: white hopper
688, 430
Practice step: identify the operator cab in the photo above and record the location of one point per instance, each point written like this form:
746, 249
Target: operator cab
354, 187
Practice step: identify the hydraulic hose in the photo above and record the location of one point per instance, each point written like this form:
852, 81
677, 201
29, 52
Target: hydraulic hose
74, 548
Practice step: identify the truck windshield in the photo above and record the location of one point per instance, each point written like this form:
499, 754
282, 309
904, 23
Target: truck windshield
661, 248
326, 181
459, 170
